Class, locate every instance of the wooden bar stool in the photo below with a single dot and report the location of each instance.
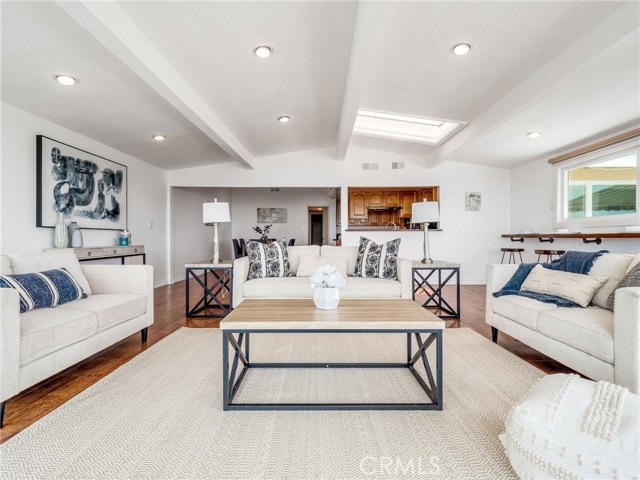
(512, 254)
(549, 253)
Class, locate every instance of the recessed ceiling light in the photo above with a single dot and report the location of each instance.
(67, 80)
(461, 49)
(262, 51)
(534, 134)
(284, 119)
(158, 137)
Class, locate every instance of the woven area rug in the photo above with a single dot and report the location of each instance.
(160, 415)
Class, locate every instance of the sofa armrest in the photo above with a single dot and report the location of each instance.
(240, 272)
(135, 279)
(9, 343)
(497, 276)
(626, 338)
(405, 275)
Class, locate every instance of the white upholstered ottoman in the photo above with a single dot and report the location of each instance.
(568, 427)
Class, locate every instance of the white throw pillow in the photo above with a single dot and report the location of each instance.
(611, 265)
(309, 264)
(38, 262)
(351, 253)
(296, 252)
(575, 287)
(568, 427)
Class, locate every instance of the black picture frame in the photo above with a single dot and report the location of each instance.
(103, 200)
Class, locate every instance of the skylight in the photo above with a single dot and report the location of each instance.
(404, 128)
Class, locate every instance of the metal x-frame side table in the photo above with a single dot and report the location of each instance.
(222, 274)
(431, 278)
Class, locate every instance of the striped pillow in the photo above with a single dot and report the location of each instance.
(43, 289)
(270, 260)
(377, 261)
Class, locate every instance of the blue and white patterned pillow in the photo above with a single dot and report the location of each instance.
(270, 260)
(377, 261)
(43, 289)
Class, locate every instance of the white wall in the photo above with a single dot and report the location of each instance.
(244, 203)
(471, 238)
(147, 195)
(532, 209)
(191, 240)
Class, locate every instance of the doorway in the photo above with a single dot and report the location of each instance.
(318, 225)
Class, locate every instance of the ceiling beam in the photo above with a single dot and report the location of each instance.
(363, 46)
(114, 29)
(611, 30)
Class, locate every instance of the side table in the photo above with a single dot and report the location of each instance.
(431, 278)
(222, 277)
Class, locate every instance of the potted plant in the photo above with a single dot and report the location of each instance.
(263, 232)
(326, 282)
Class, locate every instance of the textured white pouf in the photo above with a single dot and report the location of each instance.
(568, 427)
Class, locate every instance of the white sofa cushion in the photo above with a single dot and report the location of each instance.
(299, 287)
(38, 262)
(574, 287)
(111, 309)
(309, 265)
(587, 329)
(48, 330)
(549, 435)
(350, 253)
(522, 310)
(296, 252)
(610, 265)
(359, 287)
(5, 265)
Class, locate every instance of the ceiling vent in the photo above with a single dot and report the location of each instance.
(397, 165)
(276, 189)
(369, 166)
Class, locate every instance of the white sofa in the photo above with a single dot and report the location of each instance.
(37, 344)
(299, 287)
(593, 341)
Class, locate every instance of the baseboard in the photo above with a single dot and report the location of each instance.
(159, 284)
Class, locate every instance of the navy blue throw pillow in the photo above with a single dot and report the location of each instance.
(43, 289)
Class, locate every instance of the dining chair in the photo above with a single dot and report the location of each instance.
(291, 242)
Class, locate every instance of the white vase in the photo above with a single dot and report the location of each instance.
(61, 239)
(326, 298)
(75, 235)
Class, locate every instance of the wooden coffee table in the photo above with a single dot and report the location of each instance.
(352, 316)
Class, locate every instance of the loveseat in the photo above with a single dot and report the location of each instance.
(299, 287)
(596, 342)
(39, 343)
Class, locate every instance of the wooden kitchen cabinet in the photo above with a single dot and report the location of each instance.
(392, 199)
(358, 209)
(379, 206)
(407, 199)
(376, 199)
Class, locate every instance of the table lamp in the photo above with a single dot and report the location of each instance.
(214, 213)
(425, 212)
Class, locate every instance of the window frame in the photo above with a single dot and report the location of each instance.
(597, 156)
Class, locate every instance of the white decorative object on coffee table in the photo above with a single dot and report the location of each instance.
(326, 282)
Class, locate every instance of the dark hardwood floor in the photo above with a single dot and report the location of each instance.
(36, 402)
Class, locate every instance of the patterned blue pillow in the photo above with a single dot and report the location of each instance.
(44, 289)
(377, 261)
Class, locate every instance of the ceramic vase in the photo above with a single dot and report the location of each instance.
(326, 298)
(75, 234)
(61, 239)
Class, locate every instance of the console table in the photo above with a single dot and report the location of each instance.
(222, 274)
(100, 253)
(431, 278)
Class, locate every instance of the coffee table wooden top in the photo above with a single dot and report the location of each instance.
(351, 314)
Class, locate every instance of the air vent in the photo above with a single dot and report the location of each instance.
(369, 166)
(275, 189)
(397, 165)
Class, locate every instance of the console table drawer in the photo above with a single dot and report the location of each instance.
(89, 252)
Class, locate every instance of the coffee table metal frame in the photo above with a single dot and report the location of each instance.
(222, 274)
(240, 344)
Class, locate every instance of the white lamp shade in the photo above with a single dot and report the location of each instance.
(215, 212)
(425, 212)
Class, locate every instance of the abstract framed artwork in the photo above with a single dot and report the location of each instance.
(88, 189)
(272, 215)
(472, 201)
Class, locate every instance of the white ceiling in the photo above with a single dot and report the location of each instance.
(569, 69)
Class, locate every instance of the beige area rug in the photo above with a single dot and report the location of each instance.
(160, 415)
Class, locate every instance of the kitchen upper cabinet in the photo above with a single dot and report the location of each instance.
(391, 199)
(357, 206)
(431, 194)
(407, 199)
(376, 199)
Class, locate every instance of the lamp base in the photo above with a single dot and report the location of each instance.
(427, 260)
(216, 260)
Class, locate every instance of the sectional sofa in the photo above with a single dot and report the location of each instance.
(39, 343)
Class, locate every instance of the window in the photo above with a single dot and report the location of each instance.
(599, 188)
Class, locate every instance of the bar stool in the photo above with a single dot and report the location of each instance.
(512, 254)
(549, 253)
